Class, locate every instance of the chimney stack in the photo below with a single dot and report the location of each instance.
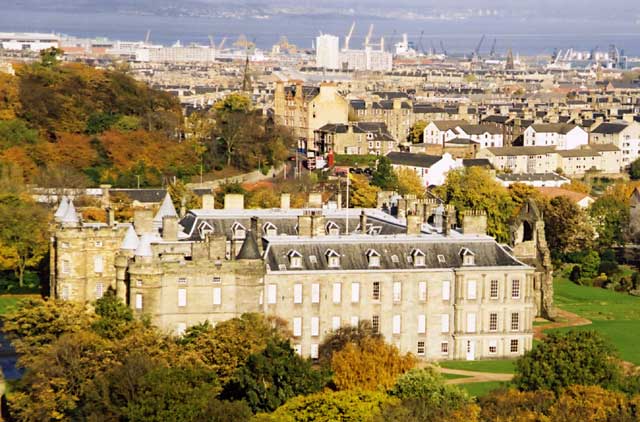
(234, 201)
(474, 222)
(143, 221)
(208, 202)
(169, 228)
(363, 222)
(285, 201)
(414, 225)
(111, 216)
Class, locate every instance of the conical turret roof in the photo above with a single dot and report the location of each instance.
(131, 240)
(166, 210)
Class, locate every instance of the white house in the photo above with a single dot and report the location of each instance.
(487, 136)
(561, 135)
(436, 131)
(432, 169)
(624, 135)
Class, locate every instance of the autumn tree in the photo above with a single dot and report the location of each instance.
(338, 339)
(370, 364)
(474, 188)
(591, 404)
(363, 194)
(409, 183)
(23, 234)
(270, 377)
(509, 404)
(330, 406)
(416, 135)
(564, 359)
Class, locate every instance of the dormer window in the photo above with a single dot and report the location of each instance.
(332, 229)
(333, 258)
(418, 258)
(295, 259)
(239, 232)
(369, 135)
(269, 229)
(204, 228)
(374, 258)
(468, 257)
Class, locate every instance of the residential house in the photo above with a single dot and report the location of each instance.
(624, 135)
(354, 138)
(560, 135)
(583, 200)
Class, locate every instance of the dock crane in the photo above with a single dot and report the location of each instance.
(420, 42)
(444, 52)
(347, 39)
(476, 52)
(147, 37)
(367, 39)
(492, 54)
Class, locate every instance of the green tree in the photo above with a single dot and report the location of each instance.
(474, 188)
(15, 132)
(590, 264)
(384, 176)
(115, 318)
(567, 228)
(50, 56)
(271, 377)
(23, 234)
(634, 169)
(330, 406)
(564, 359)
(610, 216)
(363, 194)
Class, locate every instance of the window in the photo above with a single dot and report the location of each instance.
(513, 346)
(138, 300)
(472, 289)
(394, 259)
(373, 257)
(422, 324)
(65, 245)
(396, 324)
(446, 290)
(297, 293)
(397, 291)
(337, 292)
(269, 229)
(422, 291)
(65, 294)
(181, 327)
(515, 289)
(271, 294)
(493, 347)
(332, 229)
(313, 351)
(66, 266)
(297, 327)
(441, 259)
(295, 259)
(333, 259)
(444, 323)
(355, 292)
(375, 324)
(182, 281)
(493, 289)
(315, 326)
(418, 258)
(376, 290)
(216, 280)
(471, 322)
(315, 293)
(335, 323)
(98, 264)
(182, 298)
(444, 347)
(99, 290)
(493, 321)
(515, 321)
(420, 348)
(355, 321)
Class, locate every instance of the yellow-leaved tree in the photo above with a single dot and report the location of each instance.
(371, 364)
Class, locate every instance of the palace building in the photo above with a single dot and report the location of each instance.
(430, 287)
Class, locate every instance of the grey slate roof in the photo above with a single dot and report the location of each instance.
(353, 252)
(249, 249)
(414, 160)
(610, 128)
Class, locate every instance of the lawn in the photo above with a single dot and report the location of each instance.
(7, 303)
(502, 366)
(351, 160)
(477, 389)
(615, 315)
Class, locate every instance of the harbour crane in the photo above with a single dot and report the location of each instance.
(476, 52)
(492, 54)
(147, 37)
(420, 42)
(444, 52)
(347, 39)
(224, 39)
(368, 37)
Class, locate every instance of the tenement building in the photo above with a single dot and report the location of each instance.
(431, 288)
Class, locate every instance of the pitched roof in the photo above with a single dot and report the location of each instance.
(448, 124)
(515, 151)
(610, 128)
(555, 192)
(480, 129)
(562, 128)
(249, 249)
(414, 160)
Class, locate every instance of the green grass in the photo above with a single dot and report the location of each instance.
(7, 303)
(351, 160)
(502, 366)
(453, 376)
(478, 389)
(615, 315)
